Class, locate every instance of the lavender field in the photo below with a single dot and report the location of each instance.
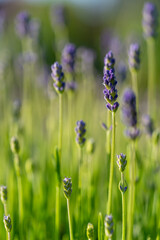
(80, 121)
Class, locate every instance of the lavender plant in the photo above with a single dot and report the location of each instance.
(108, 224)
(110, 96)
(122, 162)
(130, 119)
(134, 64)
(15, 148)
(80, 139)
(90, 231)
(67, 186)
(8, 225)
(59, 85)
(150, 29)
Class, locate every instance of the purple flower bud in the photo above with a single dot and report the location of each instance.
(80, 131)
(58, 76)
(58, 15)
(109, 81)
(150, 20)
(68, 57)
(23, 24)
(122, 71)
(72, 86)
(134, 56)
(129, 113)
(147, 124)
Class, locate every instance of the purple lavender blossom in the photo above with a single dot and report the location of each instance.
(129, 113)
(147, 124)
(58, 77)
(109, 81)
(122, 71)
(58, 15)
(23, 24)
(134, 56)
(26, 26)
(80, 131)
(150, 20)
(68, 57)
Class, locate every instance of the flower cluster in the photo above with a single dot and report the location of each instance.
(109, 81)
(129, 113)
(80, 131)
(58, 77)
(23, 20)
(150, 20)
(147, 124)
(68, 57)
(108, 223)
(7, 223)
(134, 56)
(67, 187)
(3, 193)
(90, 231)
(121, 162)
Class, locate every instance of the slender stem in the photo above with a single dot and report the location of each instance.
(151, 76)
(9, 236)
(111, 166)
(100, 226)
(80, 189)
(57, 213)
(5, 209)
(89, 184)
(69, 219)
(135, 87)
(60, 127)
(131, 193)
(108, 135)
(20, 200)
(123, 210)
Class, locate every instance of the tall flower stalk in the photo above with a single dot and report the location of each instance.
(108, 224)
(80, 139)
(122, 162)
(134, 64)
(67, 186)
(59, 85)
(110, 95)
(109, 63)
(150, 28)
(15, 148)
(130, 119)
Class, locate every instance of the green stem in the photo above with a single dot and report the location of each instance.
(60, 127)
(69, 219)
(151, 77)
(20, 200)
(123, 210)
(135, 87)
(80, 190)
(111, 166)
(9, 236)
(57, 213)
(108, 135)
(131, 193)
(5, 209)
(89, 184)
(100, 226)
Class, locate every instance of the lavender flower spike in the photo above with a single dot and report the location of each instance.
(80, 131)
(23, 24)
(134, 57)
(109, 81)
(129, 113)
(68, 57)
(58, 77)
(150, 20)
